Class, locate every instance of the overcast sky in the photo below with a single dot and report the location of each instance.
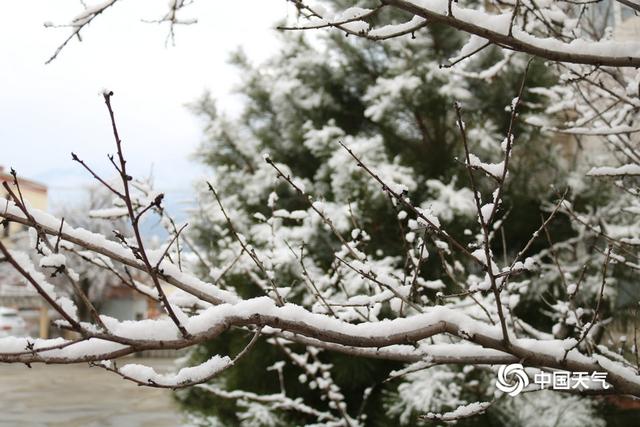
(47, 111)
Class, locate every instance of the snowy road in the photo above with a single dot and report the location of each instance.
(74, 396)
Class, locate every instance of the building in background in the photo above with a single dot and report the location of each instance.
(34, 193)
(628, 29)
(13, 292)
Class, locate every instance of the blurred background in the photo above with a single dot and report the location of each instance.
(49, 110)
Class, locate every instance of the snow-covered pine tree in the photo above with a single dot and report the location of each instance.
(392, 103)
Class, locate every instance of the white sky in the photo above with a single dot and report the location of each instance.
(47, 111)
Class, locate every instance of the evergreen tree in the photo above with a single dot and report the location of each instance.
(392, 104)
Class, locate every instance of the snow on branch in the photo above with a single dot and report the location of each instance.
(92, 11)
(625, 170)
(501, 29)
(461, 412)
